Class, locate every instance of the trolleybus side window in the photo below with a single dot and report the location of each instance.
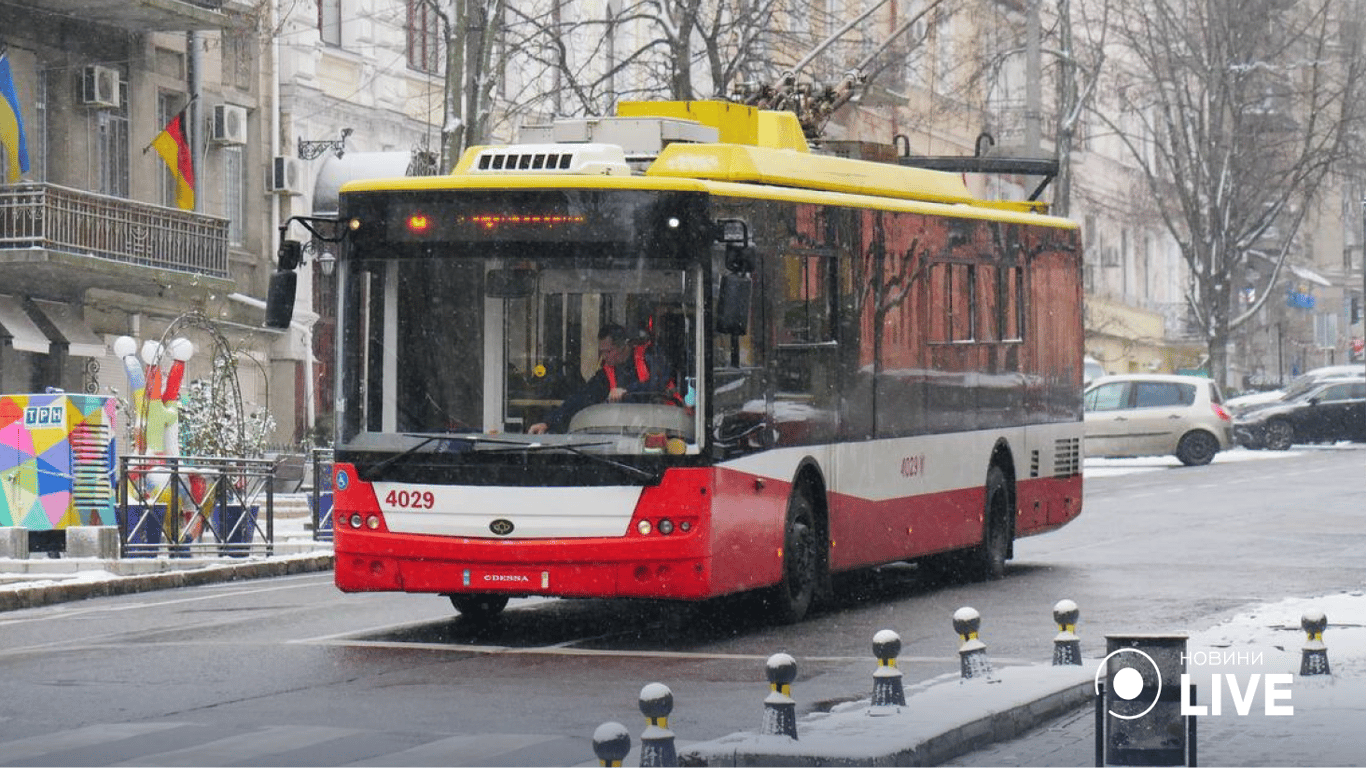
(806, 355)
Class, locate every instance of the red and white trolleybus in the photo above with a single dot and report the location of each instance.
(869, 365)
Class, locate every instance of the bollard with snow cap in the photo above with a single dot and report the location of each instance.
(972, 654)
(1314, 657)
(887, 691)
(1066, 646)
(611, 743)
(780, 710)
(657, 741)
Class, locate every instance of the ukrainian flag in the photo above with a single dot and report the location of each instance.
(12, 123)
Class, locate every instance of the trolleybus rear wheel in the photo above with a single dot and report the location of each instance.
(479, 607)
(988, 559)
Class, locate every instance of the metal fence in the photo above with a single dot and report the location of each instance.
(56, 218)
(183, 507)
(320, 498)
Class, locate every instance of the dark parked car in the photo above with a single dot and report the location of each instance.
(1334, 410)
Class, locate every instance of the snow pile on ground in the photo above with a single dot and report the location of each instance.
(1271, 640)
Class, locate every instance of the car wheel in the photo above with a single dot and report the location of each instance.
(479, 607)
(792, 598)
(1197, 449)
(1279, 435)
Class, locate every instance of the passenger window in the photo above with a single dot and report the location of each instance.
(1108, 397)
(1160, 394)
(1334, 393)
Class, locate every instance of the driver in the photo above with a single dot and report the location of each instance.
(629, 367)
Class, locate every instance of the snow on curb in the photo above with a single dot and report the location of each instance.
(88, 584)
(944, 717)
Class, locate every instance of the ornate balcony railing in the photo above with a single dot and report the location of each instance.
(46, 216)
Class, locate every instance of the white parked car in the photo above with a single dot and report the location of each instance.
(1156, 415)
(1091, 370)
(1297, 386)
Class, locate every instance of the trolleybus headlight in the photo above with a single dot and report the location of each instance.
(355, 519)
(372, 522)
(685, 526)
(666, 526)
(643, 527)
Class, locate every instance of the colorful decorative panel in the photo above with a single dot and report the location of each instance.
(56, 460)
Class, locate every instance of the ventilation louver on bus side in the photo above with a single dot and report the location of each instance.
(570, 159)
(1067, 457)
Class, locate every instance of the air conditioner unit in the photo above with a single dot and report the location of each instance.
(284, 176)
(229, 124)
(100, 87)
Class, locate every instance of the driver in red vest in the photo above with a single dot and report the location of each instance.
(628, 368)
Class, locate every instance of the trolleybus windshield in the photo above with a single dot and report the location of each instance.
(460, 335)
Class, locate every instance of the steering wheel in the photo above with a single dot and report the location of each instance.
(660, 398)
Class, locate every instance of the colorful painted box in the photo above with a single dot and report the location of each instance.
(56, 460)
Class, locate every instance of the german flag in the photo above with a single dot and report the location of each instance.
(173, 144)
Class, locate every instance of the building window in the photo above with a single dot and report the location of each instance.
(425, 40)
(111, 147)
(239, 51)
(329, 21)
(234, 194)
(168, 104)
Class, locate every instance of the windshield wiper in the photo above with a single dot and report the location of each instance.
(428, 440)
(513, 446)
(650, 477)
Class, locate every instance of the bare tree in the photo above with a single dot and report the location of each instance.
(470, 29)
(574, 58)
(1234, 112)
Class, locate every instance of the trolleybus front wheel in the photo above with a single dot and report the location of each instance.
(792, 598)
(479, 607)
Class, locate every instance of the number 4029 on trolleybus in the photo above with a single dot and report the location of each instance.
(866, 365)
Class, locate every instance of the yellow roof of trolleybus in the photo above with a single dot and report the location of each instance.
(751, 152)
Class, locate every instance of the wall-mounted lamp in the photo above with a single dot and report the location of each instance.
(310, 150)
(326, 262)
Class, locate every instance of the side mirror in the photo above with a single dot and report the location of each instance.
(732, 305)
(280, 299)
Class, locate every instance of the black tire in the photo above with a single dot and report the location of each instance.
(479, 607)
(802, 559)
(1197, 449)
(1279, 435)
(987, 561)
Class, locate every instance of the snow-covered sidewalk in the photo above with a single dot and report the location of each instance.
(947, 717)
(40, 580)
